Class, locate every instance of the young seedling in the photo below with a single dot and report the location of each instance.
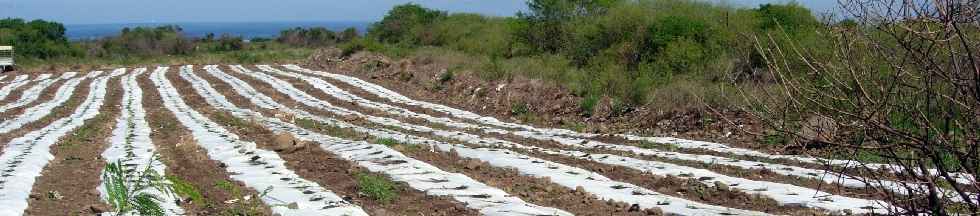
(128, 191)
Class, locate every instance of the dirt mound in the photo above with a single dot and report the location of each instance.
(533, 101)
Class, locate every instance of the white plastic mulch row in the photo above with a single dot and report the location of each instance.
(782, 193)
(377, 158)
(36, 112)
(130, 143)
(24, 157)
(18, 81)
(34, 92)
(561, 174)
(262, 170)
(680, 143)
(574, 139)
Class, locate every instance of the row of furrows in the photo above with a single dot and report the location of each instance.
(24, 158)
(562, 174)
(131, 146)
(19, 81)
(259, 169)
(579, 140)
(378, 158)
(290, 194)
(34, 92)
(782, 193)
(674, 142)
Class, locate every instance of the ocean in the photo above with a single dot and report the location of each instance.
(243, 29)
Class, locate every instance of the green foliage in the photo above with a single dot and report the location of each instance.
(627, 50)
(387, 142)
(376, 187)
(36, 39)
(360, 44)
(127, 195)
(229, 43)
(587, 105)
(792, 17)
(403, 22)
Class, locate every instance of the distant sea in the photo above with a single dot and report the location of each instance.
(247, 30)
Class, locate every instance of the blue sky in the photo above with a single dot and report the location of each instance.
(141, 11)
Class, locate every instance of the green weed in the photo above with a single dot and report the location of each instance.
(377, 187)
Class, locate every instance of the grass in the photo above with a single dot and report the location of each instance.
(185, 189)
(243, 206)
(83, 134)
(377, 187)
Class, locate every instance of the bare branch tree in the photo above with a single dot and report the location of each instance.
(902, 85)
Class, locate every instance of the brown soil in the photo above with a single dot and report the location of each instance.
(186, 160)
(79, 159)
(315, 164)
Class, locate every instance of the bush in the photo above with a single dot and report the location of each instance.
(36, 39)
(314, 37)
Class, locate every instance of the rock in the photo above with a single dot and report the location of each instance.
(818, 130)
(634, 208)
(97, 209)
(34, 196)
(293, 205)
(721, 186)
(286, 143)
(580, 190)
(472, 164)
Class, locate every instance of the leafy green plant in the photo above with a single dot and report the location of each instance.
(376, 187)
(130, 195)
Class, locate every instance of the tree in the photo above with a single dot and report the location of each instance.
(902, 87)
(402, 21)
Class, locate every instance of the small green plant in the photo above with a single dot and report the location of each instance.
(130, 195)
(587, 106)
(447, 76)
(519, 108)
(376, 187)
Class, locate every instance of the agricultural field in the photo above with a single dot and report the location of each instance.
(293, 140)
